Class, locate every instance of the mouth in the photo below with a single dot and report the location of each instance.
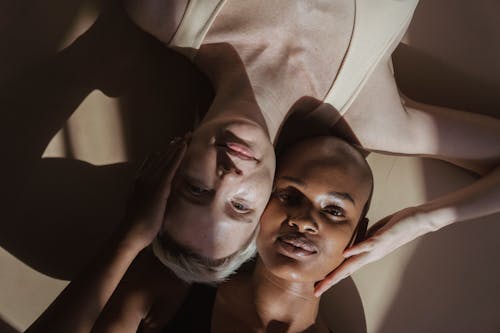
(235, 146)
(296, 245)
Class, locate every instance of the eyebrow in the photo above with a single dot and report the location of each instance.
(337, 195)
(294, 180)
(342, 196)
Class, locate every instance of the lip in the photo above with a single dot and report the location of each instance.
(296, 246)
(235, 146)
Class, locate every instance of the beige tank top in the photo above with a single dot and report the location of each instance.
(378, 27)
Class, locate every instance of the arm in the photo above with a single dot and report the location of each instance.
(78, 306)
(385, 122)
(147, 300)
(382, 123)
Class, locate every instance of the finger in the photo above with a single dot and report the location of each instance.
(364, 246)
(170, 170)
(344, 270)
(144, 167)
(160, 159)
(172, 158)
(167, 157)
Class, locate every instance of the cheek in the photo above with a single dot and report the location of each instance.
(269, 228)
(271, 219)
(176, 225)
(336, 242)
(197, 155)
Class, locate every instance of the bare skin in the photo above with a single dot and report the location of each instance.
(378, 120)
(259, 305)
(305, 204)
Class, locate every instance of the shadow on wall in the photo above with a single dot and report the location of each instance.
(6, 328)
(450, 56)
(31, 31)
(451, 281)
(53, 219)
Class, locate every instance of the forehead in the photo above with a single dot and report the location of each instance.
(327, 169)
(326, 175)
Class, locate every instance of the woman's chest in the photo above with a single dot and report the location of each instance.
(293, 45)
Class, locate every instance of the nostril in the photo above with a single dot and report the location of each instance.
(292, 224)
(310, 229)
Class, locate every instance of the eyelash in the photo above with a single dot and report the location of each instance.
(289, 197)
(334, 211)
(244, 209)
(196, 190)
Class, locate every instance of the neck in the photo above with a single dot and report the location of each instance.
(272, 293)
(235, 96)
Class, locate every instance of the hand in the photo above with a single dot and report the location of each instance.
(146, 207)
(383, 237)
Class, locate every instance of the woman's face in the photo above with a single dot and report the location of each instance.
(321, 188)
(221, 188)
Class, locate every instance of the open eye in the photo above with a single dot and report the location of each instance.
(333, 210)
(240, 207)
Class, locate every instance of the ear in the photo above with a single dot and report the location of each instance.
(361, 230)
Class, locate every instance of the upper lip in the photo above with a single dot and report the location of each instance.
(299, 240)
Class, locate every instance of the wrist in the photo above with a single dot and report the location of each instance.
(435, 218)
(130, 242)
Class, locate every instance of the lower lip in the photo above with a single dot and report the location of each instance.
(240, 150)
(292, 251)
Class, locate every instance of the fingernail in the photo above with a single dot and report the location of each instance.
(176, 140)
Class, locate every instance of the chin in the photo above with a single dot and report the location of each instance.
(290, 274)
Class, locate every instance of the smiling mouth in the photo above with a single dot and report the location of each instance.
(296, 245)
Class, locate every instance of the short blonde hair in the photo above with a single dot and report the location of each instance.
(193, 267)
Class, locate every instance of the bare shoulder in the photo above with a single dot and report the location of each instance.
(382, 120)
(160, 18)
(377, 116)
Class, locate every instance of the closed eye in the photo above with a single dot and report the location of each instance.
(194, 189)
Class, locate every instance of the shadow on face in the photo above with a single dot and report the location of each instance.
(321, 188)
(221, 187)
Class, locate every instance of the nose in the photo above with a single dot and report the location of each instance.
(225, 165)
(304, 224)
